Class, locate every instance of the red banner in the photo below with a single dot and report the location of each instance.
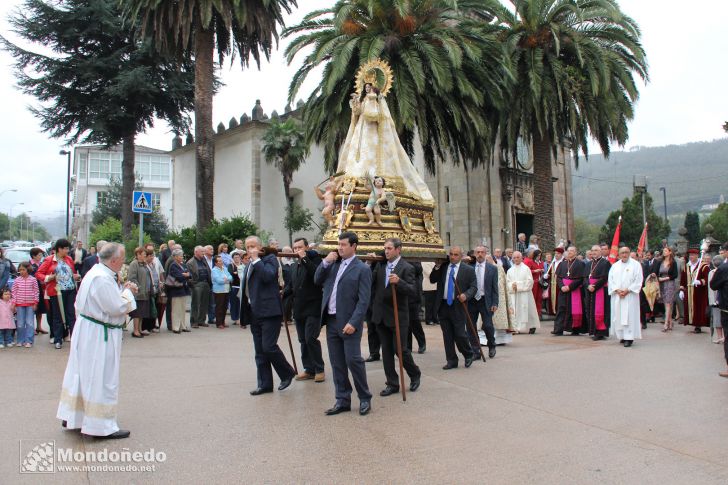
(643, 242)
(614, 250)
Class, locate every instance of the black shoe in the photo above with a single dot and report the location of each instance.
(258, 391)
(121, 434)
(644, 326)
(628, 343)
(337, 409)
(388, 391)
(557, 334)
(187, 330)
(372, 358)
(698, 330)
(468, 361)
(621, 341)
(597, 337)
(422, 349)
(449, 366)
(415, 384)
(531, 331)
(204, 324)
(285, 383)
(491, 352)
(575, 334)
(365, 407)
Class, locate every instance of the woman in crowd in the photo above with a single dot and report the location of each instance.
(36, 259)
(160, 300)
(221, 280)
(149, 324)
(718, 337)
(139, 274)
(60, 277)
(222, 251)
(178, 291)
(235, 286)
(666, 272)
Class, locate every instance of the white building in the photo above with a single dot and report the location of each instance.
(94, 166)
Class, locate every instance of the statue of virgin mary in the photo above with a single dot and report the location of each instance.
(372, 146)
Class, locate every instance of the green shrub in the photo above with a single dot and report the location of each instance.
(225, 230)
(110, 230)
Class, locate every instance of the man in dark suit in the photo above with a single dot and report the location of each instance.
(91, 260)
(307, 310)
(398, 272)
(347, 284)
(261, 293)
(449, 305)
(485, 302)
(719, 283)
(78, 254)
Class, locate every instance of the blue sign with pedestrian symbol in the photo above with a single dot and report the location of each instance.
(142, 202)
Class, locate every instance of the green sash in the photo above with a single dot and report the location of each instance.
(106, 326)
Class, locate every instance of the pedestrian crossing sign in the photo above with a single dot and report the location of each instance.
(142, 202)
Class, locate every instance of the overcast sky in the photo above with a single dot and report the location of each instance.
(686, 99)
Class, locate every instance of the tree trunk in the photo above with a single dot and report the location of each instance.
(127, 185)
(204, 143)
(289, 206)
(543, 192)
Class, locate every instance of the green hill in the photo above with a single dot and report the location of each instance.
(694, 174)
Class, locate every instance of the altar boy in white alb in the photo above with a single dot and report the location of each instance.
(625, 284)
(91, 383)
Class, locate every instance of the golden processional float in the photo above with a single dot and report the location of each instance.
(376, 191)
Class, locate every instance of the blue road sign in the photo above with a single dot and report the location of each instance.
(142, 202)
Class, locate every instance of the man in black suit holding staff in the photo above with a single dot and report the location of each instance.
(449, 305)
(394, 271)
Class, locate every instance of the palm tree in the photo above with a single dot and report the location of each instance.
(574, 64)
(285, 147)
(200, 27)
(447, 73)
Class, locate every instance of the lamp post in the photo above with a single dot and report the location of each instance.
(68, 187)
(10, 221)
(664, 202)
(21, 224)
(8, 190)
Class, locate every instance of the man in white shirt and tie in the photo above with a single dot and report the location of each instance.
(485, 302)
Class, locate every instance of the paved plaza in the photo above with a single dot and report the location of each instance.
(545, 411)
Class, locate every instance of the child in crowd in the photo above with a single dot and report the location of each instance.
(7, 325)
(25, 300)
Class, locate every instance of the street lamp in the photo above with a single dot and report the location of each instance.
(8, 190)
(21, 224)
(664, 202)
(68, 187)
(10, 222)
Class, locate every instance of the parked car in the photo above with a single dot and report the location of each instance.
(18, 255)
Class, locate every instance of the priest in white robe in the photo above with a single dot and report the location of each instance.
(520, 291)
(91, 383)
(625, 284)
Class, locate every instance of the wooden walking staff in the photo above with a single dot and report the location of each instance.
(399, 341)
(290, 345)
(470, 321)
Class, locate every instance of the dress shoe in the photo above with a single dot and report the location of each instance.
(468, 362)
(204, 324)
(422, 349)
(285, 383)
(186, 330)
(698, 330)
(388, 391)
(574, 334)
(557, 334)
(304, 376)
(531, 331)
(338, 409)
(121, 434)
(415, 384)
(628, 343)
(320, 377)
(365, 407)
(372, 358)
(176, 331)
(597, 337)
(449, 366)
(258, 391)
(491, 352)
(194, 325)
(59, 346)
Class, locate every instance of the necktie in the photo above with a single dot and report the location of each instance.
(451, 285)
(247, 280)
(390, 267)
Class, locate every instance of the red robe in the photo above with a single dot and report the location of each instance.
(696, 297)
(537, 290)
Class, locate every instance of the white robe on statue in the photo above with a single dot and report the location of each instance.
(91, 383)
(626, 310)
(523, 305)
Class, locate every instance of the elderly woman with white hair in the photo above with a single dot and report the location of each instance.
(178, 290)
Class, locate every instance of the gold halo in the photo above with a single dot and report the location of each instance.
(376, 72)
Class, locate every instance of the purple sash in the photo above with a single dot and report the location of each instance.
(576, 311)
(598, 306)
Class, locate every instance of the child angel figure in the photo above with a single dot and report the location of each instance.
(328, 196)
(377, 197)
